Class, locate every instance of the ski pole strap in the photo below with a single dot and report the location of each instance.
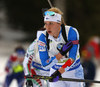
(63, 79)
(75, 41)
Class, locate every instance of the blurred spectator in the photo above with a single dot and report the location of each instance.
(93, 47)
(89, 66)
(14, 68)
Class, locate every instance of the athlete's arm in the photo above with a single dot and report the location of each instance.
(73, 35)
(43, 52)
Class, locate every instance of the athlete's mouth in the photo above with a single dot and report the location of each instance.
(49, 31)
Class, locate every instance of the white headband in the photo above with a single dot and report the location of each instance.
(55, 18)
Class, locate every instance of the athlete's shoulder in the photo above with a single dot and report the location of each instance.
(44, 32)
(67, 27)
(70, 28)
(42, 36)
(73, 33)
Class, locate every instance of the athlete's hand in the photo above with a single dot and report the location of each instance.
(64, 48)
(29, 83)
(55, 76)
(58, 56)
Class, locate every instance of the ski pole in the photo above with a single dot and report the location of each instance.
(62, 79)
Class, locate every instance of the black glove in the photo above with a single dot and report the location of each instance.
(55, 76)
(29, 83)
(64, 48)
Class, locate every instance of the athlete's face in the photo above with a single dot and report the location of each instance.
(53, 28)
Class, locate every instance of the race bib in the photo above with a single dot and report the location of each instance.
(42, 46)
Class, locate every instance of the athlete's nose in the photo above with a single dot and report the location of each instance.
(47, 27)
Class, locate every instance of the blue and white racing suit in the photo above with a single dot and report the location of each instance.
(49, 61)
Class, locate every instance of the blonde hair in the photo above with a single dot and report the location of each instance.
(56, 10)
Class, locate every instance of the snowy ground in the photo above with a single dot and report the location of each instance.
(6, 48)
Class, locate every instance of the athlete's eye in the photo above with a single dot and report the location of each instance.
(51, 23)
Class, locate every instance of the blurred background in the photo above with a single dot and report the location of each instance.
(20, 20)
